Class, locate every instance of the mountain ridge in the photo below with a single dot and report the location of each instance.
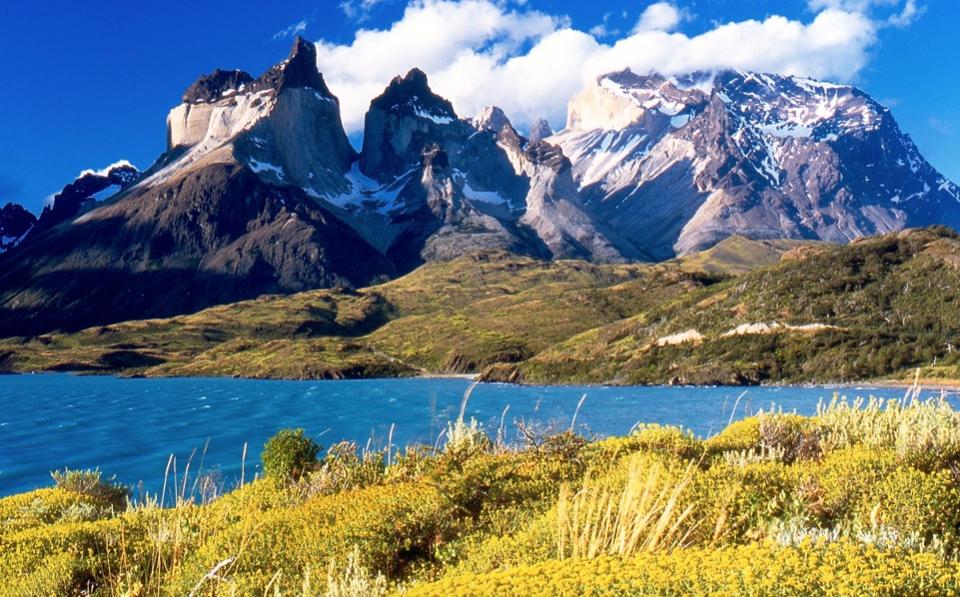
(260, 191)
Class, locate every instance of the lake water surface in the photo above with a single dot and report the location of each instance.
(131, 427)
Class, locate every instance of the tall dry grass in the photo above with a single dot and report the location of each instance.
(644, 514)
(910, 426)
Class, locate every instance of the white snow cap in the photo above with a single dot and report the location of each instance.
(106, 169)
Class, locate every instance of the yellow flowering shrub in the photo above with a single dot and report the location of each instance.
(844, 503)
(666, 439)
(841, 569)
(912, 501)
(389, 524)
(846, 480)
(738, 436)
(535, 541)
(41, 507)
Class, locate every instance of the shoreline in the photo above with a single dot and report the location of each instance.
(925, 385)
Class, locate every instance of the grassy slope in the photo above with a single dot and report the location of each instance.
(739, 255)
(450, 317)
(891, 301)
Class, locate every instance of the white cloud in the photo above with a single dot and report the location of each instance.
(291, 31)
(660, 16)
(358, 10)
(911, 10)
(604, 29)
(481, 52)
(894, 13)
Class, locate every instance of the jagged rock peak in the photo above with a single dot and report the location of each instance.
(299, 69)
(89, 187)
(491, 118)
(15, 223)
(218, 84)
(540, 130)
(121, 173)
(411, 94)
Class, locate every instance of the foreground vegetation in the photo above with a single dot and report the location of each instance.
(743, 312)
(862, 499)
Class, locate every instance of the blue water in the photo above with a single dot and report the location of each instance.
(130, 427)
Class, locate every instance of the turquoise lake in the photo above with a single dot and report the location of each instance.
(130, 427)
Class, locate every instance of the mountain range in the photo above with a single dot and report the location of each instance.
(260, 190)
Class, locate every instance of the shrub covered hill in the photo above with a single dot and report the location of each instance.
(742, 312)
(861, 499)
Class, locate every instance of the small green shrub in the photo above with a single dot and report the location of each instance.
(90, 483)
(289, 455)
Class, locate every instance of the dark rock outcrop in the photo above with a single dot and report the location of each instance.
(298, 70)
(82, 194)
(540, 130)
(210, 88)
(15, 223)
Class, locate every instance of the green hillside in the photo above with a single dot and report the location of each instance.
(877, 308)
(446, 317)
(742, 312)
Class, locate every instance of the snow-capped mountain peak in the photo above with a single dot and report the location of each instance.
(261, 191)
(748, 153)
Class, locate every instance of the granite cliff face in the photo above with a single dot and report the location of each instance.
(260, 191)
(435, 186)
(228, 212)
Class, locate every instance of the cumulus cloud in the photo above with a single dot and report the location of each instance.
(660, 16)
(482, 52)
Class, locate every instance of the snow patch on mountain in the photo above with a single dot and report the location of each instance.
(264, 167)
(435, 118)
(483, 196)
(105, 171)
(369, 195)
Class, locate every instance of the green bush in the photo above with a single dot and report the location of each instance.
(289, 455)
(89, 483)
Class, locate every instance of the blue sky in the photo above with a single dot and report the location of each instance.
(89, 83)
